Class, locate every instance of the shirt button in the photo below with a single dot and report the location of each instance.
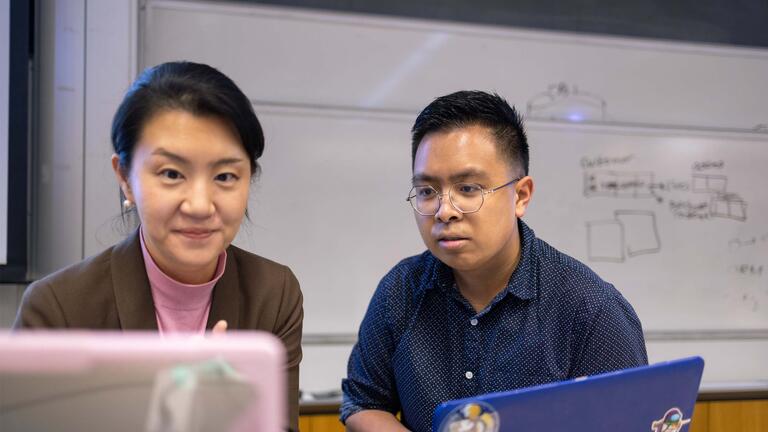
(473, 321)
(469, 375)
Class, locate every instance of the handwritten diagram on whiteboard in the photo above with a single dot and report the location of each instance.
(676, 219)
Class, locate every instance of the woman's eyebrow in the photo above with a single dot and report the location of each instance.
(226, 161)
(184, 161)
(170, 155)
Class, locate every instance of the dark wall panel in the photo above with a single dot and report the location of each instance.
(738, 22)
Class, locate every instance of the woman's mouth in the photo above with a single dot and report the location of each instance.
(196, 234)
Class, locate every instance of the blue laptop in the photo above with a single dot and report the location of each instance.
(655, 398)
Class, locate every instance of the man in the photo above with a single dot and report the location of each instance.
(489, 307)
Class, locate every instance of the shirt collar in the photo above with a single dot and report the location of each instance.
(170, 293)
(522, 283)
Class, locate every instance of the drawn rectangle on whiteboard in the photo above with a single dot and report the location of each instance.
(605, 240)
(641, 235)
(619, 184)
(728, 207)
(707, 183)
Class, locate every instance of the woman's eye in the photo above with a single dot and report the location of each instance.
(226, 177)
(170, 174)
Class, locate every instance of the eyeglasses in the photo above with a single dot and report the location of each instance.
(464, 197)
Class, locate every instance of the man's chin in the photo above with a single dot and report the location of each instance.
(458, 262)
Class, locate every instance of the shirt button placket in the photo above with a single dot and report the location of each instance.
(473, 357)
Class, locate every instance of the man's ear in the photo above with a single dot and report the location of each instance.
(122, 178)
(524, 191)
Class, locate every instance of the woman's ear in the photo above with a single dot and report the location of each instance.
(122, 178)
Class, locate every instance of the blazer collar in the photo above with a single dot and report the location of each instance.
(225, 304)
(133, 296)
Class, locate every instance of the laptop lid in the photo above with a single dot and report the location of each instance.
(655, 398)
(98, 381)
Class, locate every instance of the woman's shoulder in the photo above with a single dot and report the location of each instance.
(70, 297)
(251, 262)
(258, 269)
(98, 266)
(250, 259)
(81, 274)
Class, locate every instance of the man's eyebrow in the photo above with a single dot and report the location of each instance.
(422, 178)
(469, 173)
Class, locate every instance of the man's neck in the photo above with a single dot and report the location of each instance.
(480, 286)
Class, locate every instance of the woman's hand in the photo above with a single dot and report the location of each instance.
(220, 327)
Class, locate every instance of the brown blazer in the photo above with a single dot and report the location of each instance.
(111, 291)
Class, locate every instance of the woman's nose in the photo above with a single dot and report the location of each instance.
(198, 201)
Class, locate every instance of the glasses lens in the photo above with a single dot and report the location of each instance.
(425, 199)
(466, 197)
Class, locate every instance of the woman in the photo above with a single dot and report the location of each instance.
(186, 144)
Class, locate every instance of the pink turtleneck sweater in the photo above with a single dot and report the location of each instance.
(180, 307)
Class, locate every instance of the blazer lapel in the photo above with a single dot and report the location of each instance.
(225, 304)
(133, 295)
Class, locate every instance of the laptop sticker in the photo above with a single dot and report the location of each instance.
(471, 417)
(673, 421)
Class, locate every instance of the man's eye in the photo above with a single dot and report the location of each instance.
(468, 189)
(424, 193)
(170, 174)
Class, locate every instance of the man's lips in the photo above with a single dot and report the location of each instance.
(451, 241)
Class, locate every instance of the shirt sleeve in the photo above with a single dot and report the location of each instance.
(612, 339)
(370, 382)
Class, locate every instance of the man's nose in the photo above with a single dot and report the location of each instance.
(446, 211)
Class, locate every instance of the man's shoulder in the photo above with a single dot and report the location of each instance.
(576, 297)
(414, 264)
(399, 291)
(413, 272)
(564, 275)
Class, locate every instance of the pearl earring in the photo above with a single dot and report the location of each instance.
(127, 205)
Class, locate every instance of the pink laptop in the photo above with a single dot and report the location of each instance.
(104, 381)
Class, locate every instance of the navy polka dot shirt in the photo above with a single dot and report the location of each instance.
(421, 342)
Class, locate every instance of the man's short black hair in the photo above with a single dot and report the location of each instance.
(470, 108)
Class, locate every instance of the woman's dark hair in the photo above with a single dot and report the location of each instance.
(192, 87)
(468, 108)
